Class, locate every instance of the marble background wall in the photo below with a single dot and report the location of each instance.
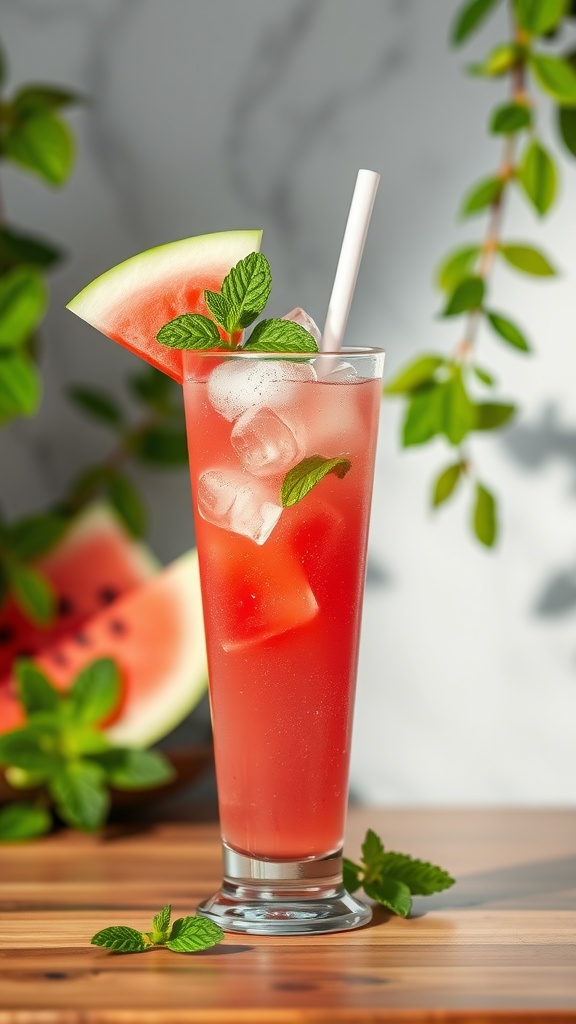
(212, 114)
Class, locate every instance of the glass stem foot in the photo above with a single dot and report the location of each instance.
(274, 897)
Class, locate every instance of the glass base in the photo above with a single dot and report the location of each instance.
(273, 897)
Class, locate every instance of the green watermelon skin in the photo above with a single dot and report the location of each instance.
(132, 301)
(94, 564)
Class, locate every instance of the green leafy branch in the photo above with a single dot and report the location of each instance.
(439, 390)
(35, 138)
(62, 754)
(185, 935)
(391, 879)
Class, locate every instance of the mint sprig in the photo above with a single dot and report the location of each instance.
(244, 293)
(62, 750)
(187, 935)
(391, 879)
(300, 480)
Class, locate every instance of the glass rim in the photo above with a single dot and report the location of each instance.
(242, 353)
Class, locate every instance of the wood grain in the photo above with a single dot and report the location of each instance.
(499, 946)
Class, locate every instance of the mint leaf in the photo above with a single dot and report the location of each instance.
(33, 748)
(33, 593)
(567, 127)
(278, 335)
(351, 875)
(23, 821)
(508, 331)
(190, 331)
(414, 375)
(161, 921)
(221, 310)
(246, 288)
(98, 405)
(44, 97)
(484, 376)
(302, 478)
(372, 849)
(191, 934)
(498, 61)
(390, 893)
(79, 794)
(95, 692)
(35, 691)
(121, 939)
(136, 769)
(539, 16)
(17, 248)
(446, 484)
(421, 878)
(459, 414)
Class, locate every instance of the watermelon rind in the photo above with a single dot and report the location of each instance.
(180, 690)
(99, 516)
(121, 293)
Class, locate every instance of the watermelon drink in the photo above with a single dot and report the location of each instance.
(282, 591)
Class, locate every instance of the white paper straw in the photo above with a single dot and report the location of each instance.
(349, 261)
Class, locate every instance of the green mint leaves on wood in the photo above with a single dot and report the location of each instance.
(62, 752)
(441, 392)
(185, 935)
(392, 879)
(243, 296)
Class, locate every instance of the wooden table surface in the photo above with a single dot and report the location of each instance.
(499, 946)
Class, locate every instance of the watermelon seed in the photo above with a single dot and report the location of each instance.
(82, 639)
(25, 652)
(59, 658)
(65, 606)
(117, 627)
(107, 595)
(6, 634)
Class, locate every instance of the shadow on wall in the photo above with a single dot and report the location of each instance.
(533, 446)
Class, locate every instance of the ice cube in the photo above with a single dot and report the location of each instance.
(300, 316)
(265, 442)
(339, 373)
(226, 500)
(235, 386)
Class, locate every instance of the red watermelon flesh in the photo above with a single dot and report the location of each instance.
(90, 568)
(132, 301)
(155, 634)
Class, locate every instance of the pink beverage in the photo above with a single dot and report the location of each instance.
(282, 587)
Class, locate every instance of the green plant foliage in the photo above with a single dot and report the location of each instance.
(538, 176)
(439, 405)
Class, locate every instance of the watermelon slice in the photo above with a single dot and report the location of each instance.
(95, 562)
(155, 634)
(132, 301)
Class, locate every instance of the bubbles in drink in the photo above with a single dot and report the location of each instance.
(301, 317)
(234, 387)
(225, 499)
(265, 442)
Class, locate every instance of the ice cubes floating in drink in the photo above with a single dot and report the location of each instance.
(258, 396)
(226, 500)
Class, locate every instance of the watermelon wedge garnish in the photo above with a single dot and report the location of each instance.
(132, 301)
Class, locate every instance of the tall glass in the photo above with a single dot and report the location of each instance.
(282, 588)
